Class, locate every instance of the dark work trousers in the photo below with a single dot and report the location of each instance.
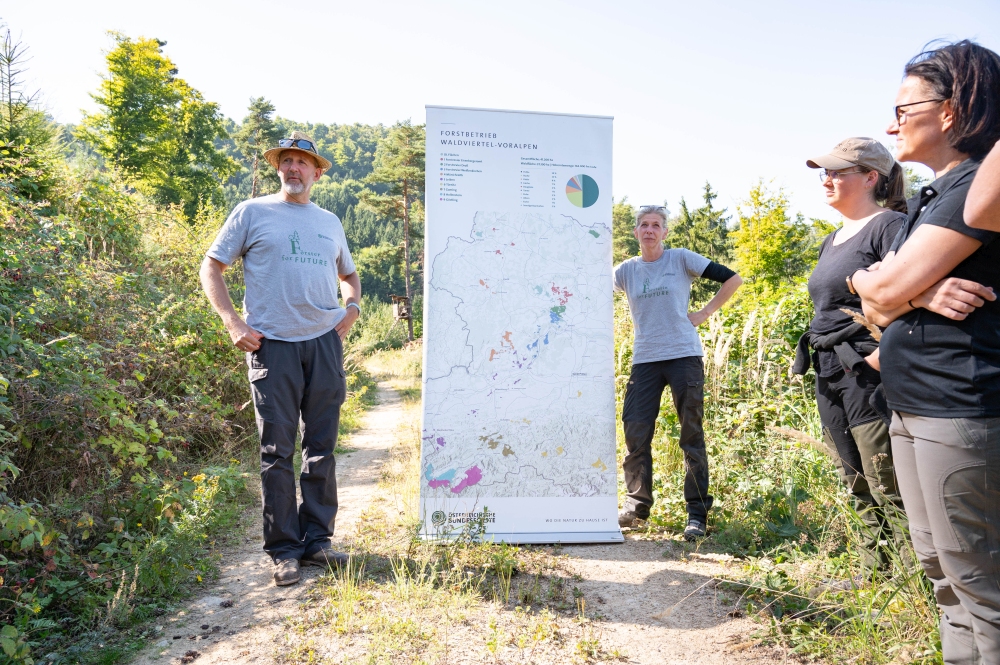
(298, 385)
(949, 475)
(686, 378)
(858, 441)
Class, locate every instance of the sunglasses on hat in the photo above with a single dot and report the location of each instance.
(297, 143)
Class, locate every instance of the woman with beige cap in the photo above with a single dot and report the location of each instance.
(865, 185)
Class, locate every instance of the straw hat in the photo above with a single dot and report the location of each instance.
(274, 154)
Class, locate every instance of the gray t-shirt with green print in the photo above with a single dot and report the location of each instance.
(292, 256)
(658, 295)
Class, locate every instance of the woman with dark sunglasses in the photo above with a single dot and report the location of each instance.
(941, 350)
(865, 185)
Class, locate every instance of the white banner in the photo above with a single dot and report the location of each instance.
(518, 387)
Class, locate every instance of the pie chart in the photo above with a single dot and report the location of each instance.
(582, 191)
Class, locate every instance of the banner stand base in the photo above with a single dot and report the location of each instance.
(544, 538)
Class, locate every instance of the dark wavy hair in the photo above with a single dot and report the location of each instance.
(890, 190)
(967, 75)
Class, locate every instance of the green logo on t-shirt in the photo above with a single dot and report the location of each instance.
(648, 292)
(301, 257)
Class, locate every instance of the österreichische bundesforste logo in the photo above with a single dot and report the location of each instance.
(438, 518)
(294, 239)
(582, 191)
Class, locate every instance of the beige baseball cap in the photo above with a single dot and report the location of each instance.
(299, 142)
(856, 151)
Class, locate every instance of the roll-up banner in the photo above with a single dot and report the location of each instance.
(519, 387)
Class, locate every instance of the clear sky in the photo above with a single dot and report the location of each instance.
(724, 92)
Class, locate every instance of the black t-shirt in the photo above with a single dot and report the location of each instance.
(933, 366)
(828, 281)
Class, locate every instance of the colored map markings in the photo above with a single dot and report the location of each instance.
(582, 191)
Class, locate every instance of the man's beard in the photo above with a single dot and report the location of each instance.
(294, 187)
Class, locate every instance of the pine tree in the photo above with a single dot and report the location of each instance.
(255, 135)
(704, 230)
(399, 165)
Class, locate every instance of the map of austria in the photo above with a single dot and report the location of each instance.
(468, 478)
(519, 382)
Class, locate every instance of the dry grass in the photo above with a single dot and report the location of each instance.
(405, 601)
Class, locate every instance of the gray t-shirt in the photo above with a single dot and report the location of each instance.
(658, 296)
(292, 256)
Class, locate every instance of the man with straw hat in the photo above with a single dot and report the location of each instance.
(295, 255)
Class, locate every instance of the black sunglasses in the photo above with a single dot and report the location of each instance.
(297, 143)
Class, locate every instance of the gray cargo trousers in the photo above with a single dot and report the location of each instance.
(949, 476)
(298, 386)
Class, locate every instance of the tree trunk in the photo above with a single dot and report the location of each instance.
(253, 187)
(406, 256)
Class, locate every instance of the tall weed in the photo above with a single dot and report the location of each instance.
(778, 501)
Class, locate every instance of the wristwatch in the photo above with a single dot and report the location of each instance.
(850, 284)
(355, 306)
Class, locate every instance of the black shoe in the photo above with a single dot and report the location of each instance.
(325, 558)
(695, 529)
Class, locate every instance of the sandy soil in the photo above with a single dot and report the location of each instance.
(655, 602)
(658, 604)
(244, 632)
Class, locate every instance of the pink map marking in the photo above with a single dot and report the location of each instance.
(434, 484)
(472, 476)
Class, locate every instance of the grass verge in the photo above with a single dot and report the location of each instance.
(402, 600)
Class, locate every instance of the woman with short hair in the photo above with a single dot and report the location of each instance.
(941, 366)
(865, 185)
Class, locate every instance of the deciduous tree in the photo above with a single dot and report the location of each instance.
(623, 239)
(770, 246)
(156, 130)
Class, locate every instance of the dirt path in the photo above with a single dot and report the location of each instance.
(659, 603)
(239, 618)
(652, 601)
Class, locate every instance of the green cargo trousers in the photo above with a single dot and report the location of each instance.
(858, 442)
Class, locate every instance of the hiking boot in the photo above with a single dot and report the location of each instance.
(325, 558)
(695, 529)
(286, 572)
(628, 518)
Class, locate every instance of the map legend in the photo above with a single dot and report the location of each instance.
(452, 170)
(538, 188)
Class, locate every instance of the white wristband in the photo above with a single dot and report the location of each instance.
(355, 306)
